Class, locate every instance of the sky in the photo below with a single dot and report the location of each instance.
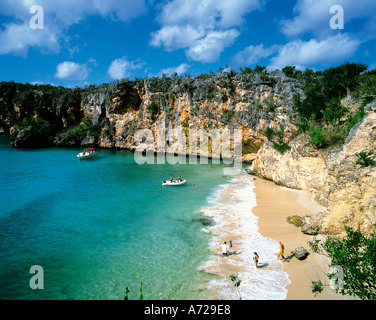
(81, 42)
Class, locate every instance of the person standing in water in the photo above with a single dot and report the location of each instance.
(224, 249)
(255, 259)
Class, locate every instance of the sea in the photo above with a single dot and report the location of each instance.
(106, 228)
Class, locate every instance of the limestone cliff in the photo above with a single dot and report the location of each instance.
(110, 115)
(222, 101)
(335, 180)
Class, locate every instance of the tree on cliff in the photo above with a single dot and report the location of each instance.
(353, 267)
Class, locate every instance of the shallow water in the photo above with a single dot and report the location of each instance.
(231, 207)
(104, 224)
(100, 225)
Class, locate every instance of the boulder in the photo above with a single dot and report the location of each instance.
(297, 221)
(300, 253)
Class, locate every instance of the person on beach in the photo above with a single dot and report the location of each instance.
(255, 259)
(225, 248)
(281, 251)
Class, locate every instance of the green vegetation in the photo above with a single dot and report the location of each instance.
(247, 70)
(290, 71)
(228, 115)
(153, 108)
(37, 126)
(281, 147)
(269, 103)
(364, 159)
(322, 115)
(260, 69)
(269, 133)
(354, 256)
(81, 131)
(279, 134)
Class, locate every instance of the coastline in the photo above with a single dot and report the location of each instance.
(231, 209)
(274, 205)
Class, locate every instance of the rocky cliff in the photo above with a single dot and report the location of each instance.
(333, 177)
(117, 111)
(110, 115)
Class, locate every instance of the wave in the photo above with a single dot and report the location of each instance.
(230, 207)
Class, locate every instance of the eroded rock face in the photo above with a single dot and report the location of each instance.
(205, 102)
(352, 193)
(300, 168)
(335, 181)
(209, 102)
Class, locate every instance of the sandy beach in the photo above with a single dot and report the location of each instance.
(252, 212)
(274, 205)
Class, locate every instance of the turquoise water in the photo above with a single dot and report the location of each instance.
(99, 226)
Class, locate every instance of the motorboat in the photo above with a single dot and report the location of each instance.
(174, 182)
(87, 154)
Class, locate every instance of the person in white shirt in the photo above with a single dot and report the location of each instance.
(224, 249)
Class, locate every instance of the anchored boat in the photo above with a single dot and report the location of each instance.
(87, 154)
(173, 182)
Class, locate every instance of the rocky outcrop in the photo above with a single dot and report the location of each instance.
(334, 180)
(221, 101)
(109, 116)
(301, 168)
(352, 192)
(300, 253)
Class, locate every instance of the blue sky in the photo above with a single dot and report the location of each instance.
(98, 41)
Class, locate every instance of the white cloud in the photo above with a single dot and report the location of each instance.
(203, 28)
(122, 68)
(59, 16)
(175, 37)
(314, 16)
(69, 70)
(18, 39)
(303, 54)
(209, 48)
(120, 9)
(183, 68)
(252, 55)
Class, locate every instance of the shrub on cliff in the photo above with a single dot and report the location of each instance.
(31, 132)
(75, 135)
(290, 71)
(324, 89)
(37, 126)
(322, 115)
(352, 263)
(364, 159)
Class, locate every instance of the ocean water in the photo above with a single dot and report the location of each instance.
(231, 209)
(99, 226)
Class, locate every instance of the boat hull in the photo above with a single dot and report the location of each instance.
(174, 183)
(88, 156)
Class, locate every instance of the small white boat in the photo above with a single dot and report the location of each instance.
(173, 183)
(87, 154)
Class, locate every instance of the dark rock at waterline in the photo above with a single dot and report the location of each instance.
(204, 221)
(26, 138)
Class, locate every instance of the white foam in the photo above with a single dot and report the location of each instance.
(231, 209)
